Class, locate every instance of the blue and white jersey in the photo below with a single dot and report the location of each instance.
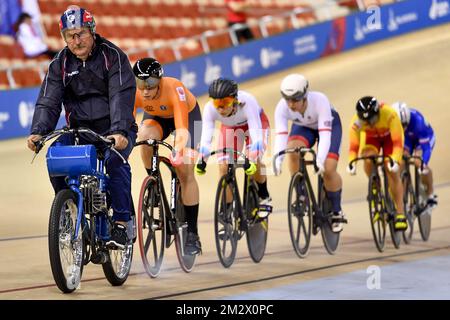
(419, 135)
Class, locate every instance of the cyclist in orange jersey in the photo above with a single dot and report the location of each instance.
(383, 130)
(171, 108)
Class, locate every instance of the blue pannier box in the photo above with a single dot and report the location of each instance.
(71, 160)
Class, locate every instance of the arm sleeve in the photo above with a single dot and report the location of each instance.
(426, 152)
(281, 127)
(252, 112)
(181, 116)
(354, 137)
(397, 136)
(122, 92)
(208, 121)
(324, 127)
(137, 104)
(423, 135)
(48, 105)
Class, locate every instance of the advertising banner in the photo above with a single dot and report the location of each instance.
(16, 112)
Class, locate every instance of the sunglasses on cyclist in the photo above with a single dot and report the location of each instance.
(223, 103)
(294, 99)
(149, 83)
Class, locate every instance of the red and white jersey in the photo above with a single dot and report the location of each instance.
(317, 116)
(247, 113)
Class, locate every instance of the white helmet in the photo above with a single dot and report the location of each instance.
(294, 87)
(403, 112)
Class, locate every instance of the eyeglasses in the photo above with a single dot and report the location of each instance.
(82, 35)
(149, 83)
(223, 103)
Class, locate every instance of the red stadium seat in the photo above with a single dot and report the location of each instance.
(4, 83)
(219, 41)
(26, 78)
(164, 55)
(191, 49)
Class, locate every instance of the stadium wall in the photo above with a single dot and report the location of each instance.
(264, 56)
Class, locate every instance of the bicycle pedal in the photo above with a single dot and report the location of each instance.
(99, 258)
(265, 208)
(315, 230)
(168, 241)
(376, 218)
(223, 236)
(262, 216)
(341, 220)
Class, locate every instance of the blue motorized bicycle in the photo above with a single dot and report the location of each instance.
(81, 217)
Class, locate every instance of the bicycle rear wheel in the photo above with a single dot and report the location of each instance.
(151, 227)
(257, 228)
(410, 205)
(186, 261)
(66, 252)
(330, 239)
(225, 224)
(376, 213)
(299, 215)
(425, 216)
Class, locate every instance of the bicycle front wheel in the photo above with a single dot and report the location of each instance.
(376, 213)
(299, 214)
(425, 216)
(330, 239)
(410, 205)
(66, 252)
(186, 261)
(396, 236)
(118, 266)
(225, 225)
(151, 227)
(257, 228)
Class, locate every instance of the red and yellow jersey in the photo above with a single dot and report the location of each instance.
(388, 126)
(173, 100)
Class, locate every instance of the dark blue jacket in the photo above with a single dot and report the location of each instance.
(98, 93)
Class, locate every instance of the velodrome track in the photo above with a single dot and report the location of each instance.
(414, 68)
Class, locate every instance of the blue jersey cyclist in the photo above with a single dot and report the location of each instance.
(420, 141)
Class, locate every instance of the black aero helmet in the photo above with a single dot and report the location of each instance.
(367, 108)
(148, 73)
(222, 88)
(148, 67)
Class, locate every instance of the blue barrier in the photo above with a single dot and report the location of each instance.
(265, 56)
(16, 112)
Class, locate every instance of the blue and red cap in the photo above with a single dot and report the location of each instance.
(75, 18)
